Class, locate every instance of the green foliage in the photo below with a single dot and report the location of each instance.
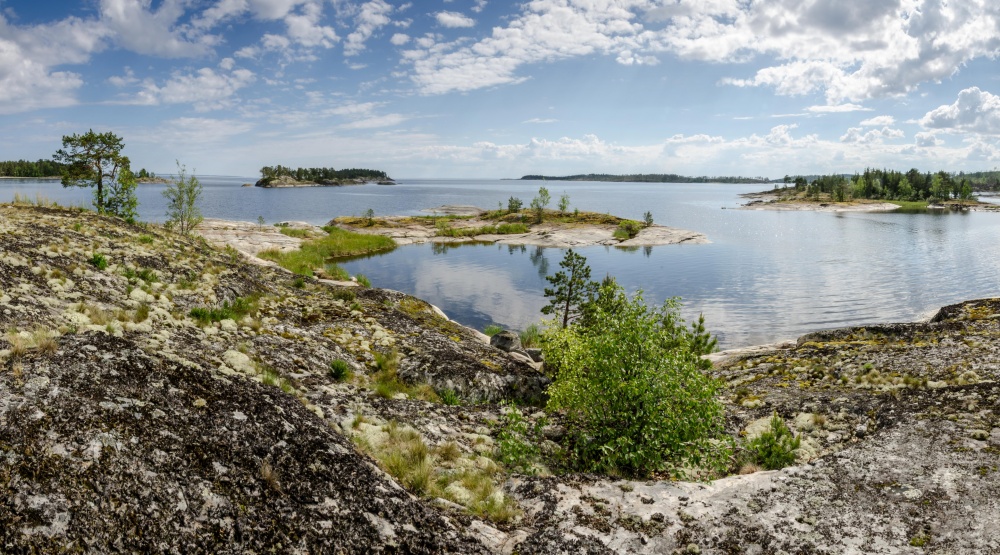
(514, 205)
(339, 370)
(315, 253)
(531, 336)
(299, 282)
(631, 384)
(343, 294)
(320, 175)
(449, 397)
(445, 230)
(98, 261)
(628, 229)
(235, 310)
(92, 160)
(363, 281)
(370, 216)
(144, 239)
(539, 203)
(121, 200)
(492, 329)
(647, 219)
(517, 440)
(571, 288)
(775, 448)
(182, 197)
(563, 203)
(24, 168)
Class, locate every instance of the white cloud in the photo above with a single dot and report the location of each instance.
(387, 120)
(837, 108)
(304, 27)
(540, 120)
(372, 16)
(28, 56)
(399, 39)
(878, 121)
(156, 33)
(975, 111)
(927, 139)
(849, 50)
(206, 89)
(857, 135)
(454, 20)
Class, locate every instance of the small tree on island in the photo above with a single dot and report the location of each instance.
(539, 203)
(183, 214)
(93, 160)
(564, 203)
(571, 288)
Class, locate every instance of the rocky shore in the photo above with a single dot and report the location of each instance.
(159, 395)
(408, 230)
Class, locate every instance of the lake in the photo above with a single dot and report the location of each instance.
(766, 276)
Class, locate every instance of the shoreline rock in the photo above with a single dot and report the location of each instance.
(406, 231)
(287, 182)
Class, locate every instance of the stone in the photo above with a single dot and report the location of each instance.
(506, 341)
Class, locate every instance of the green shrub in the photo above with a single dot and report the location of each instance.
(514, 204)
(144, 239)
(627, 229)
(517, 441)
(775, 448)
(339, 370)
(98, 261)
(299, 282)
(630, 381)
(363, 281)
(647, 219)
(343, 294)
(492, 329)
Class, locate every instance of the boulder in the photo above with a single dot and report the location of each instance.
(506, 341)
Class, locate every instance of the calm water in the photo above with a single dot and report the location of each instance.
(766, 276)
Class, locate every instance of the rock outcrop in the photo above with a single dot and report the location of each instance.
(158, 395)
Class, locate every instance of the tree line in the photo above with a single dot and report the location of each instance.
(320, 175)
(647, 178)
(883, 184)
(27, 168)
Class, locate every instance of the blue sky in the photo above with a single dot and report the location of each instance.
(481, 88)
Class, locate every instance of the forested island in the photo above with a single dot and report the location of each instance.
(40, 168)
(881, 184)
(283, 176)
(647, 178)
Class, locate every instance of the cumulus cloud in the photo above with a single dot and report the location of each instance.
(371, 17)
(454, 20)
(205, 89)
(304, 27)
(858, 135)
(849, 50)
(927, 139)
(399, 39)
(138, 28)
(878, 121)
(974, 111)
(29, 56)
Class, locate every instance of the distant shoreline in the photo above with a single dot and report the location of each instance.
(49, 178)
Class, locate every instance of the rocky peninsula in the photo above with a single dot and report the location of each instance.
(469, 224)
(160, 395)
(286, 181)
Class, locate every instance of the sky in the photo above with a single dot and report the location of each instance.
(489, 89)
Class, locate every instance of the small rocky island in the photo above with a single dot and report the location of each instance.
(469, 224)
(281, 177)
(161, 395)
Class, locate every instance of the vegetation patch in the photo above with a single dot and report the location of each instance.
(318, 252)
